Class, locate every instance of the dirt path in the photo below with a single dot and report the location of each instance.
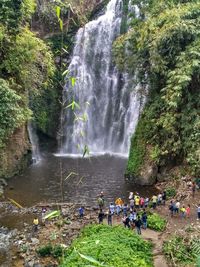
(157, 241)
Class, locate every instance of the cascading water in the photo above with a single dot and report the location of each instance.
(108, 100)
(36, 157)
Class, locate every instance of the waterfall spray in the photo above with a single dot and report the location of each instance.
(36, 157)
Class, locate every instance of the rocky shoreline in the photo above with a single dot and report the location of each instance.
(22, 242)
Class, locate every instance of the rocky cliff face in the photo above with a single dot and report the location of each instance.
(17, 153)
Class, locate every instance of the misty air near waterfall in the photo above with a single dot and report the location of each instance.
(99, 133)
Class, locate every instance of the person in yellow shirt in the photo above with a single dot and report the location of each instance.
(154, 201)
(137, 202)
(35, 224)
(119, 202)
(183, 212)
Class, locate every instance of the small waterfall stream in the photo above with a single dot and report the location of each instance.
(36, 157)
(108, 100)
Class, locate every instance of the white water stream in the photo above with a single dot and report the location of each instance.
(108, 100)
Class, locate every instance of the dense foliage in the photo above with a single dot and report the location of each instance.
(182, 251)
(12, 113)
(26, 68)
(156, 222)
(101, 245)
(162, 48)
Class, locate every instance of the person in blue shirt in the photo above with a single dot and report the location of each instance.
(125, 209)
(81, 212)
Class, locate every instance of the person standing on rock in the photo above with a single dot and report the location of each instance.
(101, 202)
(35, 224)
(81, 212)
(101, 216)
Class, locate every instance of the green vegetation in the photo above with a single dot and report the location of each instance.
(156, 222)
(50, 250)
(182, 251)
(12, 113)
(26, 69)
(164, 50)
(101, 245)
(170, 192)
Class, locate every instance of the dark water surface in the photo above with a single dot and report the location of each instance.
(41, 182)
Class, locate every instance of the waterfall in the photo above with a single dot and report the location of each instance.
(36, 157)
(108, 100)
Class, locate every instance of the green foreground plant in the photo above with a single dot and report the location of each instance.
(182, 251)
(101, 245)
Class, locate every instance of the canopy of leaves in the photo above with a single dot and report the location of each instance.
(12, 112)
(14, 13)
(26, 64)
(101, 245)
(163, 48)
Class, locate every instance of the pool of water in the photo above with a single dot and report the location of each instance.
(84, 179)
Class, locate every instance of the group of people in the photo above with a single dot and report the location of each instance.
(176, 208)
(134, 214)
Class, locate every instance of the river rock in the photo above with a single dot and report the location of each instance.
(35, 241)
(147, 176)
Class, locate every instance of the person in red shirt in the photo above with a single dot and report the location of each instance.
(188, 211)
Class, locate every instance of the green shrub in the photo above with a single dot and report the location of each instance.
(101, 245)
(170, 192)
(49, 250)
(57, 251)
(45, 250)
(156, 222)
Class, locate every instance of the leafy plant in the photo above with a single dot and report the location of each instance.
(101, 245)
(156, 222)
(50, 250)
(45, 250)
(13, 113)
(170, 192)
(179, 250)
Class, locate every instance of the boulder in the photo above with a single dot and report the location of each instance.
(147, 176)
